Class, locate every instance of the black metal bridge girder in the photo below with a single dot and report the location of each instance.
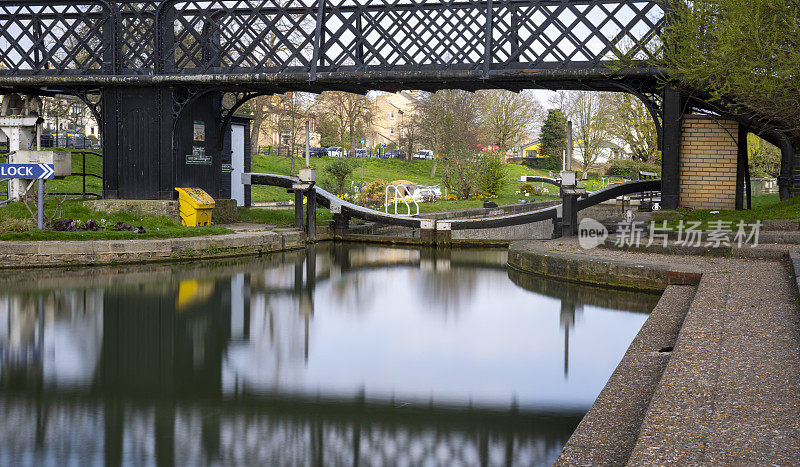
(97, 41)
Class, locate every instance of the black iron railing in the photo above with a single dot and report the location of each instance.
(178, 37)
(83, 174)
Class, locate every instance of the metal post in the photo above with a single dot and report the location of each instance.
(741, 163)
(40, 209)
(40, 197)
(84, 174)
(569, 146)
(670, 158)
(308, 149)
(748, 187)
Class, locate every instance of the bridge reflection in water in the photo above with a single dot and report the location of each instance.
(244, 362)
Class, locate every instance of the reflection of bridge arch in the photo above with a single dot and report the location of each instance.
(273, 431)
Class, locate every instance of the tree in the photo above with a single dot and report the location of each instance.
(410, 132)
(764, 158)
(461, 173)
(553, 139)
(589, 113)
(631, 123)
(339, 170)
(448, 120)
(261, 108)
(65, 110)
(292, 110)
(346, 114)
(743, 51)
(507, 117)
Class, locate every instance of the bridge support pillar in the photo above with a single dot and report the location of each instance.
(742, 171)
(671, 148)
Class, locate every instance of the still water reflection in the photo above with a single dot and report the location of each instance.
(335, 355)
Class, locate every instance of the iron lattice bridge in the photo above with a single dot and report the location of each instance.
(317, 41)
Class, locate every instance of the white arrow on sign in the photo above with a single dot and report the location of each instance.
(47, 170)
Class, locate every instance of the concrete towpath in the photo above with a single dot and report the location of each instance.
(730, 392)
(246, 240)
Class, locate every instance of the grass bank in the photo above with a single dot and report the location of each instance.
(16, 223)
(279, 217)
(765, 207)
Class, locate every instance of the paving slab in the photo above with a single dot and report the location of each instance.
(730, 393)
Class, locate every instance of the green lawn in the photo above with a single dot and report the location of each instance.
(12, 214)
(279, 217)
(74, 184)
(765, 207)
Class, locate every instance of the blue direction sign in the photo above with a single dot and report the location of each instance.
(29, 171)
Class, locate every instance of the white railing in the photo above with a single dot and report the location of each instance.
(397, 198)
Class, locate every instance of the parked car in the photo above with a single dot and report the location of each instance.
(425, 154)
(72, 139)
(48, 140)
(335, 151)
(317, 152)
(396, 154)
(360, 153)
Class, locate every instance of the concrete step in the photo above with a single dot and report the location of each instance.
(729, 394)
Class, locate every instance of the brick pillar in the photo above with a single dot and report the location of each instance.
(709, 150)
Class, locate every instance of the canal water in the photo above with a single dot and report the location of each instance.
(337, 355)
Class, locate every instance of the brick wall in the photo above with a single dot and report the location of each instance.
(708, 162)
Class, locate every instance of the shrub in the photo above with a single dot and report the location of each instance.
(373, 195)
(461, 174)
(630, 169)
(530, 189)
(493, 174)
(14, 224)
(339, 170)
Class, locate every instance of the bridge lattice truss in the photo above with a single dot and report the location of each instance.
(99, 38)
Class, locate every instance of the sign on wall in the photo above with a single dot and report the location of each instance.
(198, 157)
(199, 131)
